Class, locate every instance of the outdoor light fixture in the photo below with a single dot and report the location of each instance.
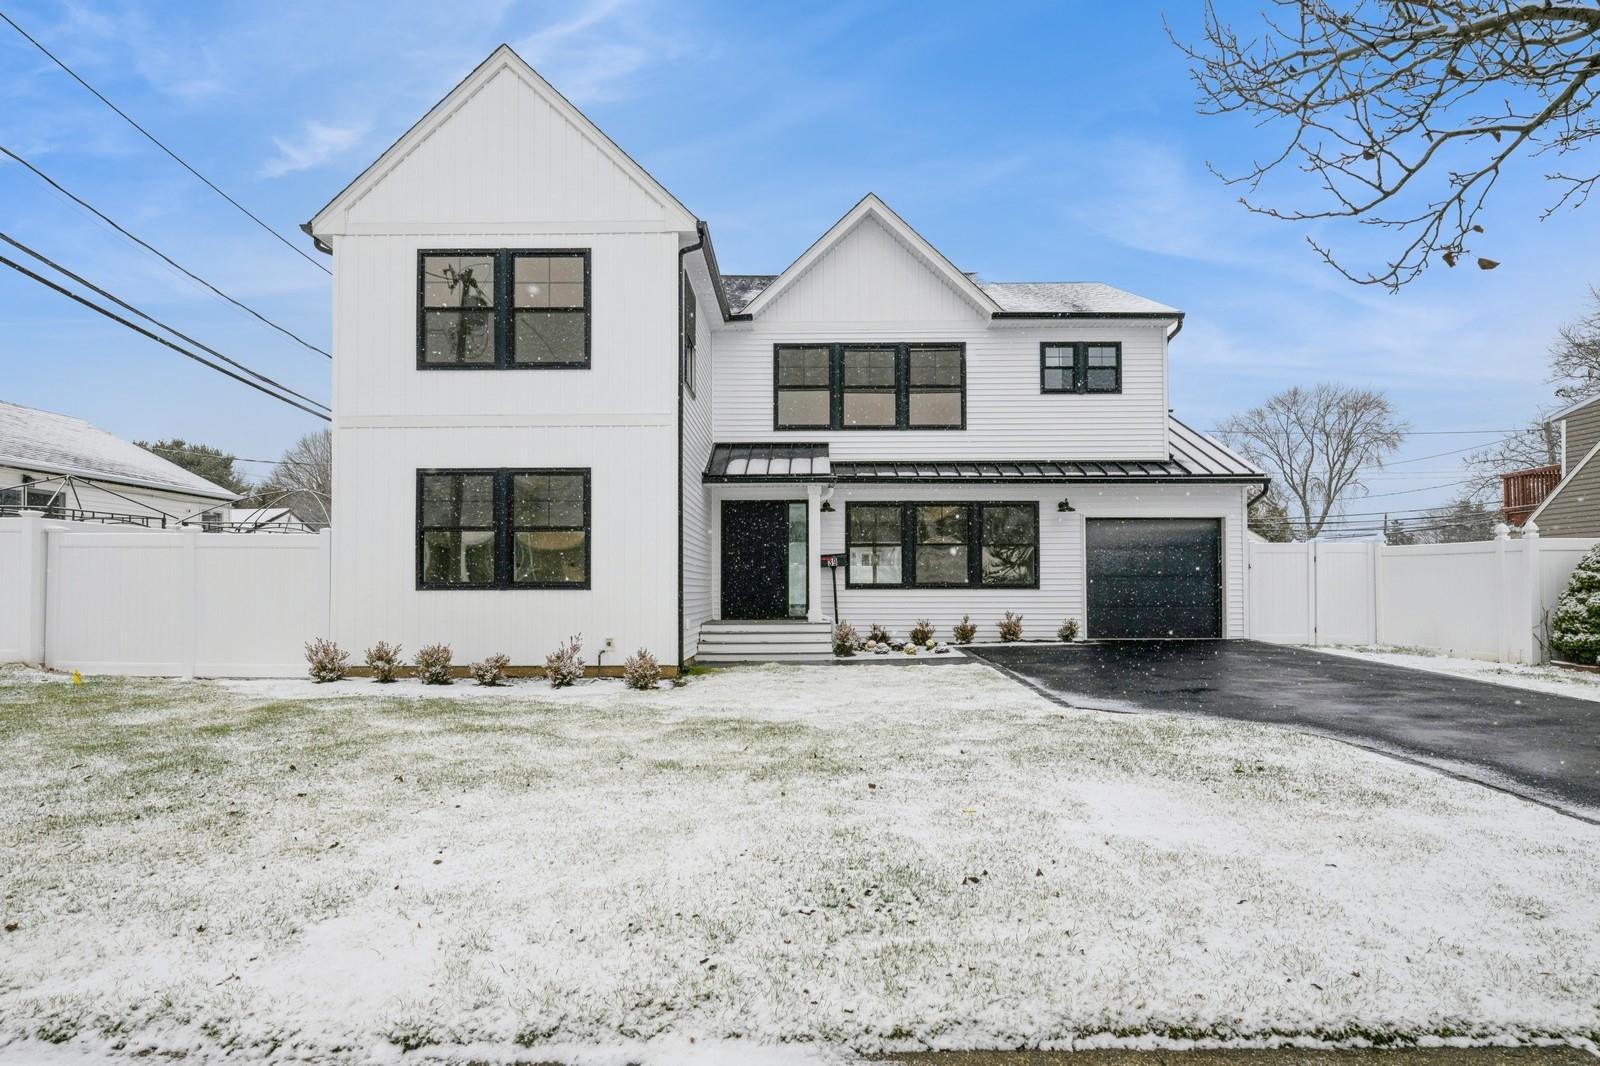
(1064, 506)
(827, 505)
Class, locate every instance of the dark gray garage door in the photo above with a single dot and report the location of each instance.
(1154, 577)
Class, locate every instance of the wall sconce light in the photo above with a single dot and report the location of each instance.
(1065, 506)
(827, 505)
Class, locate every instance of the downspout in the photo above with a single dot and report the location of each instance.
(678, 384)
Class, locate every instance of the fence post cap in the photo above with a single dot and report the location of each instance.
(1502, 531)
(1530, 528)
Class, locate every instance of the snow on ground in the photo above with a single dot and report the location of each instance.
(811, 860)
(1551, 679)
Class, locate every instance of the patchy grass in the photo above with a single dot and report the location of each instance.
(827, 858)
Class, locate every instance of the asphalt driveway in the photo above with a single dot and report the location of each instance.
(1541, 746)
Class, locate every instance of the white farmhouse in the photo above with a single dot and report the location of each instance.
(555, 415)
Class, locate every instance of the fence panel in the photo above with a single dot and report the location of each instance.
(1281, 593)
(1445, 597)
(1345, 610)
(276, 599)
(15, 592)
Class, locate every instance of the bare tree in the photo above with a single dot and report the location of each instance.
(1536, 444)
(1575, 356)
(1404, 111)
(303, 480)
(1317, 444)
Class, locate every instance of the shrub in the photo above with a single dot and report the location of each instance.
(1069, 630)
(640, 670)
(383, 659)
(326, 661)
(564, 666)
(433, 664)
(922, 632)
(877, 634)
(845, 639)
(1575, 626)
(492, 671)
(965, 631)
(1010, 627)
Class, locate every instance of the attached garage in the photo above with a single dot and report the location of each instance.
(1154, 577)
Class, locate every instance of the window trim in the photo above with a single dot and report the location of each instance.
(908, 544)
(504, 311)
(688, 329)
(902, 386)
(1080, 368)
(504, 529)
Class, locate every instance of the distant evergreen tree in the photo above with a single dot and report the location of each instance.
(1395, 532)
(1575, 628)
(1270, 519)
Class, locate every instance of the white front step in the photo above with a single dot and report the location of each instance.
(778, 641)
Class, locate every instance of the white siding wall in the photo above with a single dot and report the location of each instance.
(697, 441)
(1060, 594)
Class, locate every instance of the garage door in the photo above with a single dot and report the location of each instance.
(1154, 577)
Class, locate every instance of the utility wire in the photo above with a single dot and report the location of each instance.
(19, 268)
(225, 455)
(150, 248)
(41, 257)
(152, 138)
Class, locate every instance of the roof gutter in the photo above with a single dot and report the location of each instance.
(704, 231)
(1146, 315)
(316, 242)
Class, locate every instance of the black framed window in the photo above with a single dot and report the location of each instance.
(942, 545)
(688, 324)
(803, 397)
(1009, 541)
(935, 387)
(869, 386)
(503, 529)
(874, 545)
(1080, 366)
(503, 309)
(869, 393)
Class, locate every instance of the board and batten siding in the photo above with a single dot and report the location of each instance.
(1062, 565)
(697, 441)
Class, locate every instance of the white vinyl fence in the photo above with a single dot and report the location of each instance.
(1481, 600)
(126, 600)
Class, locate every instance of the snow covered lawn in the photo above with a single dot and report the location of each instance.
(835, 859)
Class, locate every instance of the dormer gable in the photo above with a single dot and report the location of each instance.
(872, 266)
(502, 149)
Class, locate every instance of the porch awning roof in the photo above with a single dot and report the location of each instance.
(1193, 457)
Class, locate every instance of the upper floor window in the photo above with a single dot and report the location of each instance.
(688, 323)
(1080, 366)
(502, 529)
(502, 309)
(869, 386)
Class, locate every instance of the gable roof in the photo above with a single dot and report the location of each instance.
(502, 58)
(870, 207)
(1570, 477)
(1044, 298)
(60, 444)
(1573, 408)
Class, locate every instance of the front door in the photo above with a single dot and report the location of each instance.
(764, 559)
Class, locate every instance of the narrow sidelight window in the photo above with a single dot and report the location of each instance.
(480, 529)
(942, 544)
(936, 384)
(458, 309)
(1080, 366)
(688, 323)
(1010, 537)
(516, 309)
(870, 395)
(874, 544)
(456, 530)
(803, 384)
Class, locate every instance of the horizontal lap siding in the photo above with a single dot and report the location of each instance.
(697, 442)
(1061, 564)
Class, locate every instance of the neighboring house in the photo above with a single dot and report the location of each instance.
(555, 415)
(72, 470)
(265, 520)
(1562, 499)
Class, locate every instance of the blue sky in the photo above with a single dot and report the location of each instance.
(1048, 141)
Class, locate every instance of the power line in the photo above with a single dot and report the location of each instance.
(177, 158)
(156, 251)
(129, 307)
(19, 268)
(225, 455)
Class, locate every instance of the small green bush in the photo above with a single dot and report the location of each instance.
(965, 631)
(877, 634)
(383, 659)
(641, 671)
(1010, 627)
(922, 632)
(1575, 626)
(492, 671)
(325, 660)
(433, 664)
(564, 666)
(845, 639)
(1069, 630)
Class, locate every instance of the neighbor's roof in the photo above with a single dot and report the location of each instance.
(1014, 297)
(49, 443)
(1193, 457)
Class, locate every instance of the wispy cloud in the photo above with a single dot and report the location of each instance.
(319, 143)
(593, 54)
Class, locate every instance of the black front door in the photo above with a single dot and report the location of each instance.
(755, 559)
(1154, 577)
